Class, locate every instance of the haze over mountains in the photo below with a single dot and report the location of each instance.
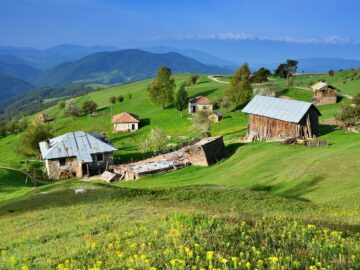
(56, 68)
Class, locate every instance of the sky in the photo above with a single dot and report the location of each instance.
(46, 23)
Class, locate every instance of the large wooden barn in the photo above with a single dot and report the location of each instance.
(276, 119)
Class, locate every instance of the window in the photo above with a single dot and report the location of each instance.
(62, 161)
(99, 157)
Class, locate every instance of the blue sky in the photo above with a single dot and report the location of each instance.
(45, 23)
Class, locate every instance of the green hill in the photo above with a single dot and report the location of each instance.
(11, 87)
(263, 207)
(121, 66)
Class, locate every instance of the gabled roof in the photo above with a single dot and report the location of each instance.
(125, 117)
(278, 108)
(77, 144)
(200, 100)
(318, 86)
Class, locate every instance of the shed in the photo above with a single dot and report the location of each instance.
(125, 122)
(200, 103)
(324, 93)
(276, 119)
(215, 117)
(76, 154)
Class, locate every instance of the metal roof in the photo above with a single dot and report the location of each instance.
(318, 86)
(77, 144)
(278, 108)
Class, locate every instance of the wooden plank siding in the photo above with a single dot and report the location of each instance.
(266, 128)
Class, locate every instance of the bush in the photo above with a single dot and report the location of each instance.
(61, 104)
(349, 115)
(71, 108)
(201, 123)
(89, 106)
(120, 99)
(112, 100)
(155, 141)
(356, 100)
(29, 141)
(129, 96)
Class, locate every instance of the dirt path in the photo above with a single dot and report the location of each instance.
(212, 77)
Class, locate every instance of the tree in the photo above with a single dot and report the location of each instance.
(286, 70)
(12, 126)
(224, 103)
(120, 98)
(240, 87)
(201, 123)
(181, 99)
(194, 78)
(29, 141)
(161, 90)
(112, 100)
(331, 72)
(89, 107)
(71, 108)
(261, 75)
(349, 115)
(155, 141)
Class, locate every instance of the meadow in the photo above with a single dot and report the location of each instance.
(266, 206)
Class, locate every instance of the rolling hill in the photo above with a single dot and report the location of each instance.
(253, 209)
(11, 87)
(121, 66)
(15, 67)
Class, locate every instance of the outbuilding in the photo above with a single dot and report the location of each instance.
(324, 93)
(125, 122)
(200, 103)
(277, 119)
(76, 154)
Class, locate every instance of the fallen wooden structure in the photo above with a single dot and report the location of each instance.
(205, 152)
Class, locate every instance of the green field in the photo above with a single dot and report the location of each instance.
(266, 206)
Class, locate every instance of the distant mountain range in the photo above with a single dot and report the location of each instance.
(47, 58)
(121, 66)
(11, 87)
(15, 67)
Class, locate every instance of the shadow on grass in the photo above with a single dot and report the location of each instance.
(204, 93)
(145, 122)
(326, 129)
(232, 148)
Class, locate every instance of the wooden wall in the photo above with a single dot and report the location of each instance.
(265, 128)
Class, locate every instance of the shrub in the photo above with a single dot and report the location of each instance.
(120, 99)
(155, 141)
(112, 100)
(71, 108)
(61, 104)
(89, 106)
(349, 115)
(129, 96)
(201, 123)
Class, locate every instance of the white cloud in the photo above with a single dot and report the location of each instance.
(328, 40)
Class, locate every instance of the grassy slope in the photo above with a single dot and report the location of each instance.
(315, 185)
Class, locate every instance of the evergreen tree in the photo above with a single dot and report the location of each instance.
(181, 99)
(240, 87)
(161, 90)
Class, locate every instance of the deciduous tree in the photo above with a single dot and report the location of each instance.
(240, 87)
(155, 141)
(287, 70)
(89, 106)
(161, 90)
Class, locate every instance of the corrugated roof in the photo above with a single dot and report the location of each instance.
(125, 117)
(200, 100)
(77, 144)
(278, 108)
(318, 86)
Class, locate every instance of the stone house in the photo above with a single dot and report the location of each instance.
(125, 122)
(76, 154)
(200, 103)
(324, 93)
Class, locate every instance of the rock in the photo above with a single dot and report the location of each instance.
(80, 190)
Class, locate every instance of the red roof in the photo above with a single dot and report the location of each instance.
(125, 117)
(200, 100)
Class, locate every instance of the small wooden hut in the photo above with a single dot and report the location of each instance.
(324, 93)
(277, 119)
